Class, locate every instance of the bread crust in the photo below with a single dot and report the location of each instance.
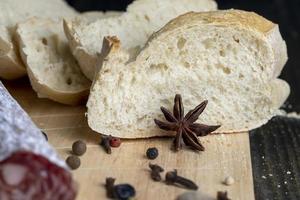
(236, 18)
(89, 61)
(84, 59)
(257, 25)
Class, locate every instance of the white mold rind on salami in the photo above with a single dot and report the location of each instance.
(18, 132)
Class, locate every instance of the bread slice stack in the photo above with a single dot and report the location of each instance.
(133, 28)
(231, 58)
(14, 11)
(52, 70)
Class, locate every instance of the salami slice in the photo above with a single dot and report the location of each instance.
(30, 169)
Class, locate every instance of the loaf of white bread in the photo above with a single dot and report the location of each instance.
(14, 11)
(231, 58)
(52, 70)
(133, 28)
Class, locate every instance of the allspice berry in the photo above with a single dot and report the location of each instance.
(79, 148)
(73, 162)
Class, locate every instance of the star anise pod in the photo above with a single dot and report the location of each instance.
(186, 128)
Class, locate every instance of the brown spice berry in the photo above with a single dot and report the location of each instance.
(79, 148)
(73, 162)
(114, 142)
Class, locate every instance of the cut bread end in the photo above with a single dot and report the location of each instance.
(229, 63)
(52, 70)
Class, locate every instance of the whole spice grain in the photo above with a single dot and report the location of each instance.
(173, 179)
(79, 148)
(120, 191)
(185, 126)
(115, 142)
(155, 172)
(152, 153)
(73, 162)
(228, 181)
(222, 195)
(106, 144)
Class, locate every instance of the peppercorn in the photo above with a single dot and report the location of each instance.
(114, 142)
(120, 191)
(73, 162)
(124, 191)
(152, 153)
(79, 148)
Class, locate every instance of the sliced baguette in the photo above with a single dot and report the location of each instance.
(52, 70)
(228, 57)
(142, 18)
(14, 11)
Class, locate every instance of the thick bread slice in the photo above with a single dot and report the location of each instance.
(226, 57)
(142, 18)
(14, 11)
(52, 69)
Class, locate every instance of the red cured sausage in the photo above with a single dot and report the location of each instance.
(30, 168)
(27, 176)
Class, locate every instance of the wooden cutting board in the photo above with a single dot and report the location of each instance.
(225, 155)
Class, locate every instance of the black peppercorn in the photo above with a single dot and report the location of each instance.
(73, 162)
(124, 191)
(152, 153)
(79, 148)
(120, 191)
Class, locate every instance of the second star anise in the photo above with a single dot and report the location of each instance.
(186, 128)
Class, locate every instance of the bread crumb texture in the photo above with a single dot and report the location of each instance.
(230, 66)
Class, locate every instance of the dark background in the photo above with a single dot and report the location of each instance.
(275, 147)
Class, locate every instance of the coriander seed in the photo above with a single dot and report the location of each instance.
(229, 181)
(115, 142)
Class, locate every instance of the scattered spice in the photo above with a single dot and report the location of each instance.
(152, 153)
(185, 126)
(79, 148)
(173, 179)
(45, 135)
(229, 181)
(73, 162)
(222, 195)
(106, 144)
(115, 142)
(155, 172)
(121, 191)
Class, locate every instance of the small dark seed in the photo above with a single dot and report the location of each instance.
(152, 153)
(79, 148)
(124, 191)
(73, 162)
(105, 143)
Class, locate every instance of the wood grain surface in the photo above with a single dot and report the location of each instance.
(225, 155)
